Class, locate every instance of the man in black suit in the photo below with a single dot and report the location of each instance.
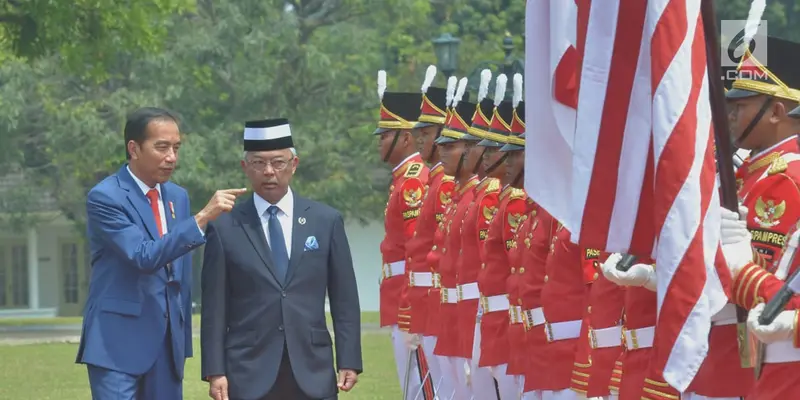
(266, 269)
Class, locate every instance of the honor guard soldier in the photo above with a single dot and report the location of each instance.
(481, 217)
(421, 278)
(754, 285)
(760, 100)
(398, 115)
(473, 233)
(637, 378)
(456, 154)
(491, 347)
(563, 296)
(506, 227)
(604, 329)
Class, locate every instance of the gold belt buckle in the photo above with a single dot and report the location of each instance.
(485, 304)
(459, 292)
(411, 279)
(549, 330)
(444, 295)
(527, 317)
(437, 280)
(592, 338)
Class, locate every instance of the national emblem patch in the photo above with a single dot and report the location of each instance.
(768, 214)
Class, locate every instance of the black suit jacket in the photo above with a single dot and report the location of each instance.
(248, 315)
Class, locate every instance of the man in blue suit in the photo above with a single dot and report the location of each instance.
(137, 325)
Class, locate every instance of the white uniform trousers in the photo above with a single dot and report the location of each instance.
(402, 355)
(442, 382)
(483, 386)
(694, 396)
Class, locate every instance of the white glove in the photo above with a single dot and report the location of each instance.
(735, 239)
(782, 328)
(411, 340)
(637, 275)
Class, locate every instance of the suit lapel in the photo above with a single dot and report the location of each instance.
(300, 232)
(166, 199)
(138, 201)
(251, 223)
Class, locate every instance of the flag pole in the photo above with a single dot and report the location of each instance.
(725, 168)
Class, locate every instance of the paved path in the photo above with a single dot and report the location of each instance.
(35, 334)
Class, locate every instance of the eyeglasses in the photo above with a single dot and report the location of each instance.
(276, 164)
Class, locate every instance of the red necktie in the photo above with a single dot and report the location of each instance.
(152, 195)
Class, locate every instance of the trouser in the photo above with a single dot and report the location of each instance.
(490, 382)
(160, 382)
(402, 356)
(694, 396)
(443, 383)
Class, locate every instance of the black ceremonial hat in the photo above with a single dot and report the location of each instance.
(268, 134)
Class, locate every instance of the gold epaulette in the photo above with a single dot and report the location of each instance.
(778, 165)
(414, 170)
(493, 186)
(518, 194)
(506, 191)
(448, 178)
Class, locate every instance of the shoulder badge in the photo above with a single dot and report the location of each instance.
(777, 166)
(414, 170)
(768, 213)
(494, 186)
(448, 178)
(518, 194)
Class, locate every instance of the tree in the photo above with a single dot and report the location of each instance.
(86, 33)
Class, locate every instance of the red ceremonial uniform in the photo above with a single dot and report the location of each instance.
(564, 297)
(450, 336)
(518, 354)
(473, 233)
(495, 269)
(434, 257)
(638, 379)
(421, 278)
(533, 241)
(604, 330)
(402, 209)
(780, 374)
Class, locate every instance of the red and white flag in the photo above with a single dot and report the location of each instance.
(551, 90)
(642, 171)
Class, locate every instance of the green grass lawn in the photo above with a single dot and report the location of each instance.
(48, 372)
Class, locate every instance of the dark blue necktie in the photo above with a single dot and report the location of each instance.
(277, 244)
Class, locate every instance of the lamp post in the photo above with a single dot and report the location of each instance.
(509, 66)
(446, 49)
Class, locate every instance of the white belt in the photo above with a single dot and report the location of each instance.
(494, 303)
(606, 337)
(533, 317)
(468, 291)
(726, 316)
(421, 279)
(390, 270)
(563, 330)
(641, 338)
(515, 315)
(449, 296)
(781, 352)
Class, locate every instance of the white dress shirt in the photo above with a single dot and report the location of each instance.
(146, 189)
(286, 209)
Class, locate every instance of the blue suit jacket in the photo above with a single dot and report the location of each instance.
(130, 291)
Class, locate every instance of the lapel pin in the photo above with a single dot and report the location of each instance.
(172, 209)
(301, 221)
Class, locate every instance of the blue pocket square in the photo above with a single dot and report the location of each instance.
(311, 244)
